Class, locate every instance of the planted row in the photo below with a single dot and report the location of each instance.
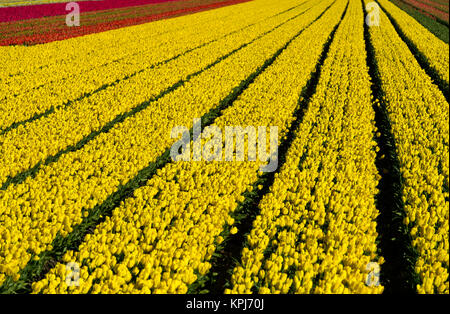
(434, 50)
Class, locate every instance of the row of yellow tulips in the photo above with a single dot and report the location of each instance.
(419, 115)
(18, 3)
(56, 85)
(169, 230)
(316, 232)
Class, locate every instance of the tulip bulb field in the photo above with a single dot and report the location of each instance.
(224, 147)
